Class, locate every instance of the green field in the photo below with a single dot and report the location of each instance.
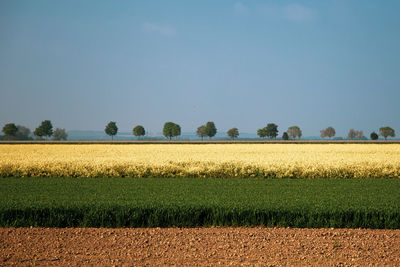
(119, 202)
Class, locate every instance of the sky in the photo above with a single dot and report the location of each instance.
(240, 64)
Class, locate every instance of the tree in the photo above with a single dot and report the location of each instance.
(139, 131)
(233, 133)
(45, 129)
(352, 134)
(60, 134)
(176, 130)
(374, 136)
(10, 130)
(111, 129)
(386, 131)
(211, 130)
(39, 132)
(294, 131)
(201, 132)
(359, 134)
(271, 130)
(171, 130)
(262, 133)
(285, 136)
(23, 133)
(328, 132)
(323, 133)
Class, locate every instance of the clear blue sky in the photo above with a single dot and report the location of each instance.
(241, 64)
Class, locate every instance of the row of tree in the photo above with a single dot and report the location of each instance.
(171, 130)
(44, 130)
(271, 131)
(359, 134)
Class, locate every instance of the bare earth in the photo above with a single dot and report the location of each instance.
(198, 246)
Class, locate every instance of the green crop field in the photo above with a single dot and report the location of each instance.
(119, 202)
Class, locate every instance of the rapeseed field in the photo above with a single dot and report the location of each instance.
(201, 160)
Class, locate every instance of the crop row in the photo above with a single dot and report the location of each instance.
(57, 202)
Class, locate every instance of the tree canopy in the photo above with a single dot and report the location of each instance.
(201, 131)
(351, 134)
(359, 134)
(328, 132)
(294, 131)
(271, 130)
(111, 129)
(60, 134)
(386, 132)
(211, 130)
(10, 130)
(233, 133)
(171, 130)
(38, 132)
(285, 136)
(45, 129)
(23, 133)
(374, 136)
(176, 130)
(139, 131)
(262, 132)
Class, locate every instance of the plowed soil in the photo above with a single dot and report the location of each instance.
(198, 246)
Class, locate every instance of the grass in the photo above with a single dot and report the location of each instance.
(119, 202)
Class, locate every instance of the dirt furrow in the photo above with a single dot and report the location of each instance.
(198, 246)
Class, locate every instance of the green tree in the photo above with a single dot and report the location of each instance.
(44, 129)
(262, 133)
(111, 129)
(169, 130)
(211, 130)
(294, 131)
(47, 128)
(139, 131)
(328, 132)
(386, 132)
(233, 133)
(176, 130)
(374, 136)
(39, 133)
(271, 130)
(10, 130)
(285, 136)
(201, 132)
(60, 134)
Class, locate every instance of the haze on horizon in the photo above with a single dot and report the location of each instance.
(240, 64)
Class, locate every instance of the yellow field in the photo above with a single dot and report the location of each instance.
(207, 160)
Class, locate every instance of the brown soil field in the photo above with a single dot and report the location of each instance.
(198, 246)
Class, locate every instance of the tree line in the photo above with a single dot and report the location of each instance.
(172, 130)
(385, 132)
(43, 131)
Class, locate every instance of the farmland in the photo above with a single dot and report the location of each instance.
(200, 161)
(119, 202)
(310, 185)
